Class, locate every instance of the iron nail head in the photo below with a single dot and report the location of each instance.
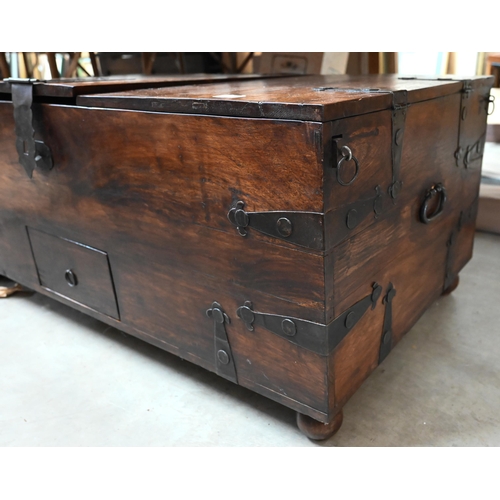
(350, 320)
(223, 357)
(288, 327)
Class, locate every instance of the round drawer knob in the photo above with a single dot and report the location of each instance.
(70, 278)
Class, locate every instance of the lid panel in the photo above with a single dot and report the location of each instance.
(72, 87)
(317, 98)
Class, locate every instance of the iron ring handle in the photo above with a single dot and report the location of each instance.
(491, 100)
(437, 190)
(347, 156)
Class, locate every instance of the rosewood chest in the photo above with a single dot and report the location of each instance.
(284, 233)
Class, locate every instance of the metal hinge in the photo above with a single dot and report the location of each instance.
(224, 361)
(344, 155)
(466, 154)
(306, 229)
(32, 153)
(315, 337)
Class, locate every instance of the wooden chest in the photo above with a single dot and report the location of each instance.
(283, 233)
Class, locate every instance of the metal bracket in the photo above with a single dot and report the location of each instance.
(399, 110)
(224, 361)
(304, 229)
(343, 220)
(465, 216)
(386, 340)
(464, 154)
(32, 153)
(467, 154)
(315, 337)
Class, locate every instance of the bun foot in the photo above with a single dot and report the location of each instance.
(452, 286)
(316, 430)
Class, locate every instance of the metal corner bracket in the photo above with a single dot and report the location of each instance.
(32, 153)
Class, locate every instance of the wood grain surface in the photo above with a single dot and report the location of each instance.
(72, 87)
(149, 192)
(314, 98)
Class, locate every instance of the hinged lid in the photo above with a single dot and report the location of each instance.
(72, 87)
(316, 98)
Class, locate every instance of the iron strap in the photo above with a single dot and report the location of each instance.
(399, 110)
(306, 229)
(464, 217)
(386, 340)
(463, 153)
(224, 362)
(315, 337)
(32, 153)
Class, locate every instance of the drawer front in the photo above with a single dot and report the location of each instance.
(74, 270)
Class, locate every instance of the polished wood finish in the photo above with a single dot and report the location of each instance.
(294, 98)
(69, 87)
(147, 195)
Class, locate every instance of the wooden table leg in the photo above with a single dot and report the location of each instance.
(93, 61)
(51, 58)
(73, 63)
(148, 60)
(4, 67)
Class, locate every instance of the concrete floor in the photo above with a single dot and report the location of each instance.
(69, 380)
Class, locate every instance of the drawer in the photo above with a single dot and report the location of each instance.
(75, 271)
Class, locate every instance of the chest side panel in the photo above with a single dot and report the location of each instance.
(121, 180)
(415, 256)
(158, 213)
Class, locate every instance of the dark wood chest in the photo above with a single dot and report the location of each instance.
(284, 233)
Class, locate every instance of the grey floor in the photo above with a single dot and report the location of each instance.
(69, 380)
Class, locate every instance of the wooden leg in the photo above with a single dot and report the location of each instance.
(4, 67)
(316, 430)
(73, 64)
(54, 72)
(9, 287)
(452, 286)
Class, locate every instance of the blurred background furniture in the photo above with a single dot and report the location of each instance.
(493, 67)
(46, 65)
